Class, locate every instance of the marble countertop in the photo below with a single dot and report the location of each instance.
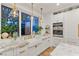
(3, 49)
(7, 44)
(64, 49)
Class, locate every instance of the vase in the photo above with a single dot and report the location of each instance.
(15, 35)
(4, 35)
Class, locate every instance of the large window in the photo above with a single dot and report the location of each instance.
(25, 24)
(9, 24)
(35, 24)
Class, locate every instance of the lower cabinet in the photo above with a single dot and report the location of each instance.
(38, 48)
(21, 51)
(9, 52)
(28, 50)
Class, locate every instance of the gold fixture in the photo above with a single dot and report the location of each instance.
(14, 11)
(41, 18)
(32, 12)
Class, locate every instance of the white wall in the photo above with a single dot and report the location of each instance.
(70, 21)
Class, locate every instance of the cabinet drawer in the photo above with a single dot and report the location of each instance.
(9, 52)
(21, 51)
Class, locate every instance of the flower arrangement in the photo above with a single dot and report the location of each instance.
(39, 28)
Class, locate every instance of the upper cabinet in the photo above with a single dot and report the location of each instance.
(58, 17)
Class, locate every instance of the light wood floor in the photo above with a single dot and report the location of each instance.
(47, 52)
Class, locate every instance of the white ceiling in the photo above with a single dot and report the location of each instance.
(48, 7)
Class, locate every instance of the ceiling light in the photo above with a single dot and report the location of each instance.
(14, 11)
(58, 4)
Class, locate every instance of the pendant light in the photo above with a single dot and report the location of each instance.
(14, 11)
(32, 12)
(41, 18)
(31, 18)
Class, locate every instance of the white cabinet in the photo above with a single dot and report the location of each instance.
(55, 41)
(9, 52)
(21, 51)
(58, 18)
(39, 47)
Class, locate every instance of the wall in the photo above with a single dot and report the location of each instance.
(48, 17)
(70, 21)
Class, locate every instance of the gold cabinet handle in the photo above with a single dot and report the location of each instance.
(35, 46)
(0, 53)
(22, 51)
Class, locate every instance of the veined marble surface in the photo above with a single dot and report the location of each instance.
(64, 49)
(6, 44)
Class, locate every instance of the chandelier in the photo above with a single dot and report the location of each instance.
(14, 11)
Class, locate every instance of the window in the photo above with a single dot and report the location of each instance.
(9, 24)
(25, 24)
(35, 24)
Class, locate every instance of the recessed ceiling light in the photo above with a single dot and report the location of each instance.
(58, 4)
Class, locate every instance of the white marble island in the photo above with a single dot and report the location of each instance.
(28, 47)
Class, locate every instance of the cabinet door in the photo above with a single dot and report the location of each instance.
(38, 48)
(21, 51)
(9, 52)
(31, 50)
(58, 18)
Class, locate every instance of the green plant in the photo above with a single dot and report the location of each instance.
(7, 28)
(39, 28)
